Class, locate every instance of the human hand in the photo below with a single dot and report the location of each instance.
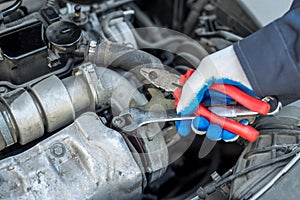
(222, 67)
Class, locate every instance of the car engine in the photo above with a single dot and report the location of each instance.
(69, 67)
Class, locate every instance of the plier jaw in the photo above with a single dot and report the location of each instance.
(161, 78)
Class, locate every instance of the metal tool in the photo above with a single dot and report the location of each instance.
(172, 82)
(268, 106)
(162, 78)
(132, 118)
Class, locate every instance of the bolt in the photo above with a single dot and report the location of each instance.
(118, 122)
(49, 11)
(92, 47)
(209, 8)
(77, 13)
(90, 68)
(79, 73)
(153, 75)
(58, 150)
(93, 44)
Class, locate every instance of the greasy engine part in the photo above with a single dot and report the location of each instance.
(107, 20)
(110, 54)
(86, 160)
(54, 104)
(20, 55)
(73, 162)
(47, 94)
(31, 57)
(279, 141)
(116, 29)
(46, 106)
(63, 37)
(267, 168)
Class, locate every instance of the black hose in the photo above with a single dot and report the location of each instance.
(203, 192)
(261, 178)
(114, 55)
(11, 9)
(283, 148)
(141, 17)
(193, 15)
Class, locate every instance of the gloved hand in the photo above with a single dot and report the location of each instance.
(221, 67)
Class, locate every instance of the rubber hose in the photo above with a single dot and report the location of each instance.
(114, 55)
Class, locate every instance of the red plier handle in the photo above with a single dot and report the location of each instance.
(256, 105)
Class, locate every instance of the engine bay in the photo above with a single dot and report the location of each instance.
(68, 68)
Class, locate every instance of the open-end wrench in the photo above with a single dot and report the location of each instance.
(132, 118)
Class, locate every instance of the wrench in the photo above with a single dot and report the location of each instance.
(132, 118)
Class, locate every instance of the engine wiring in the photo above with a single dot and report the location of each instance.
(203, 192)
(285, 148)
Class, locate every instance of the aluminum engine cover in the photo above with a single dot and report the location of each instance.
(86, 160)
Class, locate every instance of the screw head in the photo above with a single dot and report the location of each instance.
(58, 150)
(118, 122)
(153, 75)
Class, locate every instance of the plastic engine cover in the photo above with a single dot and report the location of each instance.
(282, 134)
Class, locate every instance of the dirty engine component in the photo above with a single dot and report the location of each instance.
(68, 68)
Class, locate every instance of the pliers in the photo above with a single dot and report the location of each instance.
(222, 116)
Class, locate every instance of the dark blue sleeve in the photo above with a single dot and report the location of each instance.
(271, 57)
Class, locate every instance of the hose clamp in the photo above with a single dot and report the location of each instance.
(87, 70)
(5, 132)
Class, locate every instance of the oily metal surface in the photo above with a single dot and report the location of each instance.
(86, 160)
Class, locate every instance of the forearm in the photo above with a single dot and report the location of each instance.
(271, 57)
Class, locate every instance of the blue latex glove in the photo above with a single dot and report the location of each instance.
(222, 67)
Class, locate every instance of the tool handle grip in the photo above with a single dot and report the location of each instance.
(235, 93)
(243, 98)
(244, 131)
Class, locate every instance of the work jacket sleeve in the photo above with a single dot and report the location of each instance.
(271, 57)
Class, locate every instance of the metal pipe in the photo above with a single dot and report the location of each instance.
(106, 23)
(26, 114)
(115, 90)
(48, 105)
